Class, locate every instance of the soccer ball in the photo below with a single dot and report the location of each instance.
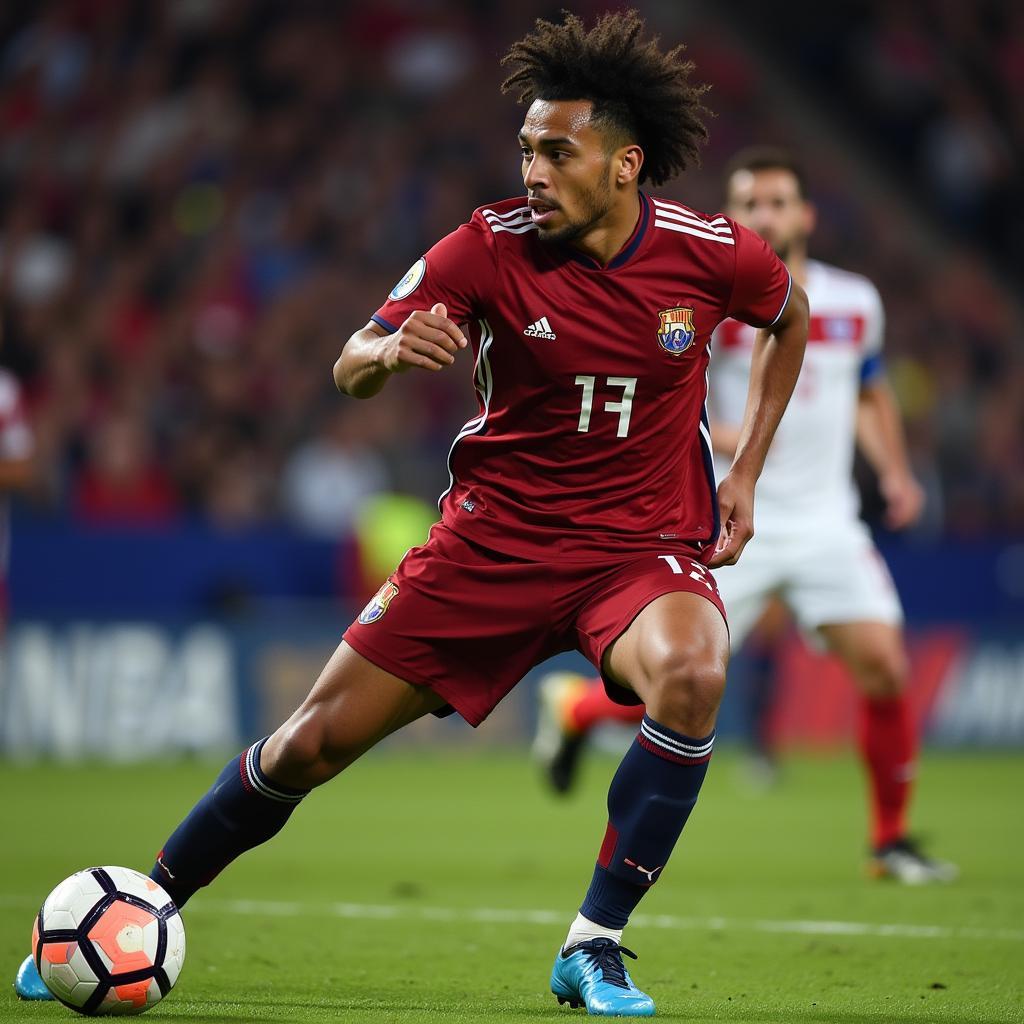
(109, 941)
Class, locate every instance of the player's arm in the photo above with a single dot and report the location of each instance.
(372, 354)
(777, 356)
(881, 439)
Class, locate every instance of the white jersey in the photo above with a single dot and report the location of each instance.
(807, 478)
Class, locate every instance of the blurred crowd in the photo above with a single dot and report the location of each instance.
(936, 89)
(201, 199)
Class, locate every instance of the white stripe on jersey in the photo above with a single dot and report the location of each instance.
(705, 435)
(515, 222)
(719, 225)
(518, 212)
(484, 387)
(683, 229)
(496, 228)
(671, 204)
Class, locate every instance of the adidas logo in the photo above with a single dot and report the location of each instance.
(540, 329)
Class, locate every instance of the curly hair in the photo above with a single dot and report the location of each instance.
(640, 93)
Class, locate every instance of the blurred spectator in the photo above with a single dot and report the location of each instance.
(330, 476)
(200, 201)
(122, 484)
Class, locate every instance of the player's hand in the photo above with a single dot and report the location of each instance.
(736, 514)
(427, 340)
(904, 500)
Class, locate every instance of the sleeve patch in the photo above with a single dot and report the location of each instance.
(871, 368)
(411, 281)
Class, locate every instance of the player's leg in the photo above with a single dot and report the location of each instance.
(570, 707)
(673, 655)
(352, 706)
(842, 590)
(874, 655)
(761, 654)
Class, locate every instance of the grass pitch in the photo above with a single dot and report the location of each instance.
(423, 887)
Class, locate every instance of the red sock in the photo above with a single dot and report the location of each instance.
(887, 746)
(594, 706)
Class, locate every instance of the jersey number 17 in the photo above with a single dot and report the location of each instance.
(624, 407)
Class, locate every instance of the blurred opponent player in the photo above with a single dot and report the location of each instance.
(582, 511)
(811, 549)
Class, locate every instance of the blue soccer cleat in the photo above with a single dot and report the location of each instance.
(28, 984)
(592, 974)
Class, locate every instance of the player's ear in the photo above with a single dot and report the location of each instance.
(810, 218)
(628, 161)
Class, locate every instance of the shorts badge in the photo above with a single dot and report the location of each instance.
(378, 604)
(676, 331)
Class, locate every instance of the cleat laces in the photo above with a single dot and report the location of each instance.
(607, 955)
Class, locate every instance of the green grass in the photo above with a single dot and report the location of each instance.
(433, 838)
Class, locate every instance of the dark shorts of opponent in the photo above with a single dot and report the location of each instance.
(469, 623)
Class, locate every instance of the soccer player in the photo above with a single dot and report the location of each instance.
(582, 512)
(811, 550)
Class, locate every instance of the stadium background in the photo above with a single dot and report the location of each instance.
(199, 201)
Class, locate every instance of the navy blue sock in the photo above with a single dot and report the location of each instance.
(242, 809)
(650, 798)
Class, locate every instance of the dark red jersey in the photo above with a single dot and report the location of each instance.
(591, 434)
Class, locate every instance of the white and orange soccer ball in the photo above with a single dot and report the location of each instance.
(109, 941)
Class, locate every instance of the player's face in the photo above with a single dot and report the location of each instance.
(567, 169)
(769, 202)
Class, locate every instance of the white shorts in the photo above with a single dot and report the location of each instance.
(829, 576)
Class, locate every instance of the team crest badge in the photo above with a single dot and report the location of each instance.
(378, 604)
(676, 331)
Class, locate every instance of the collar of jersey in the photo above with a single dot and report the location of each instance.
(624, 255)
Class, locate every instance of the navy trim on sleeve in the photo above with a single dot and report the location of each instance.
(872, 368)
(390, 328)
(785, 302)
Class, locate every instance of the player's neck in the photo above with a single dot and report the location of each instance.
(606, 238)
(796, 261)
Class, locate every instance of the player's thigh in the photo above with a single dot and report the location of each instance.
(461, 620)
(674, 655)
(873, 653)
(352, 706)
(674, 627)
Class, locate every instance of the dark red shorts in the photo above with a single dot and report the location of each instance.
(470, 623)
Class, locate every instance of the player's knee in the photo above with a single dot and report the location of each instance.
(883, 671)
(304, 754)
(686, 689)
